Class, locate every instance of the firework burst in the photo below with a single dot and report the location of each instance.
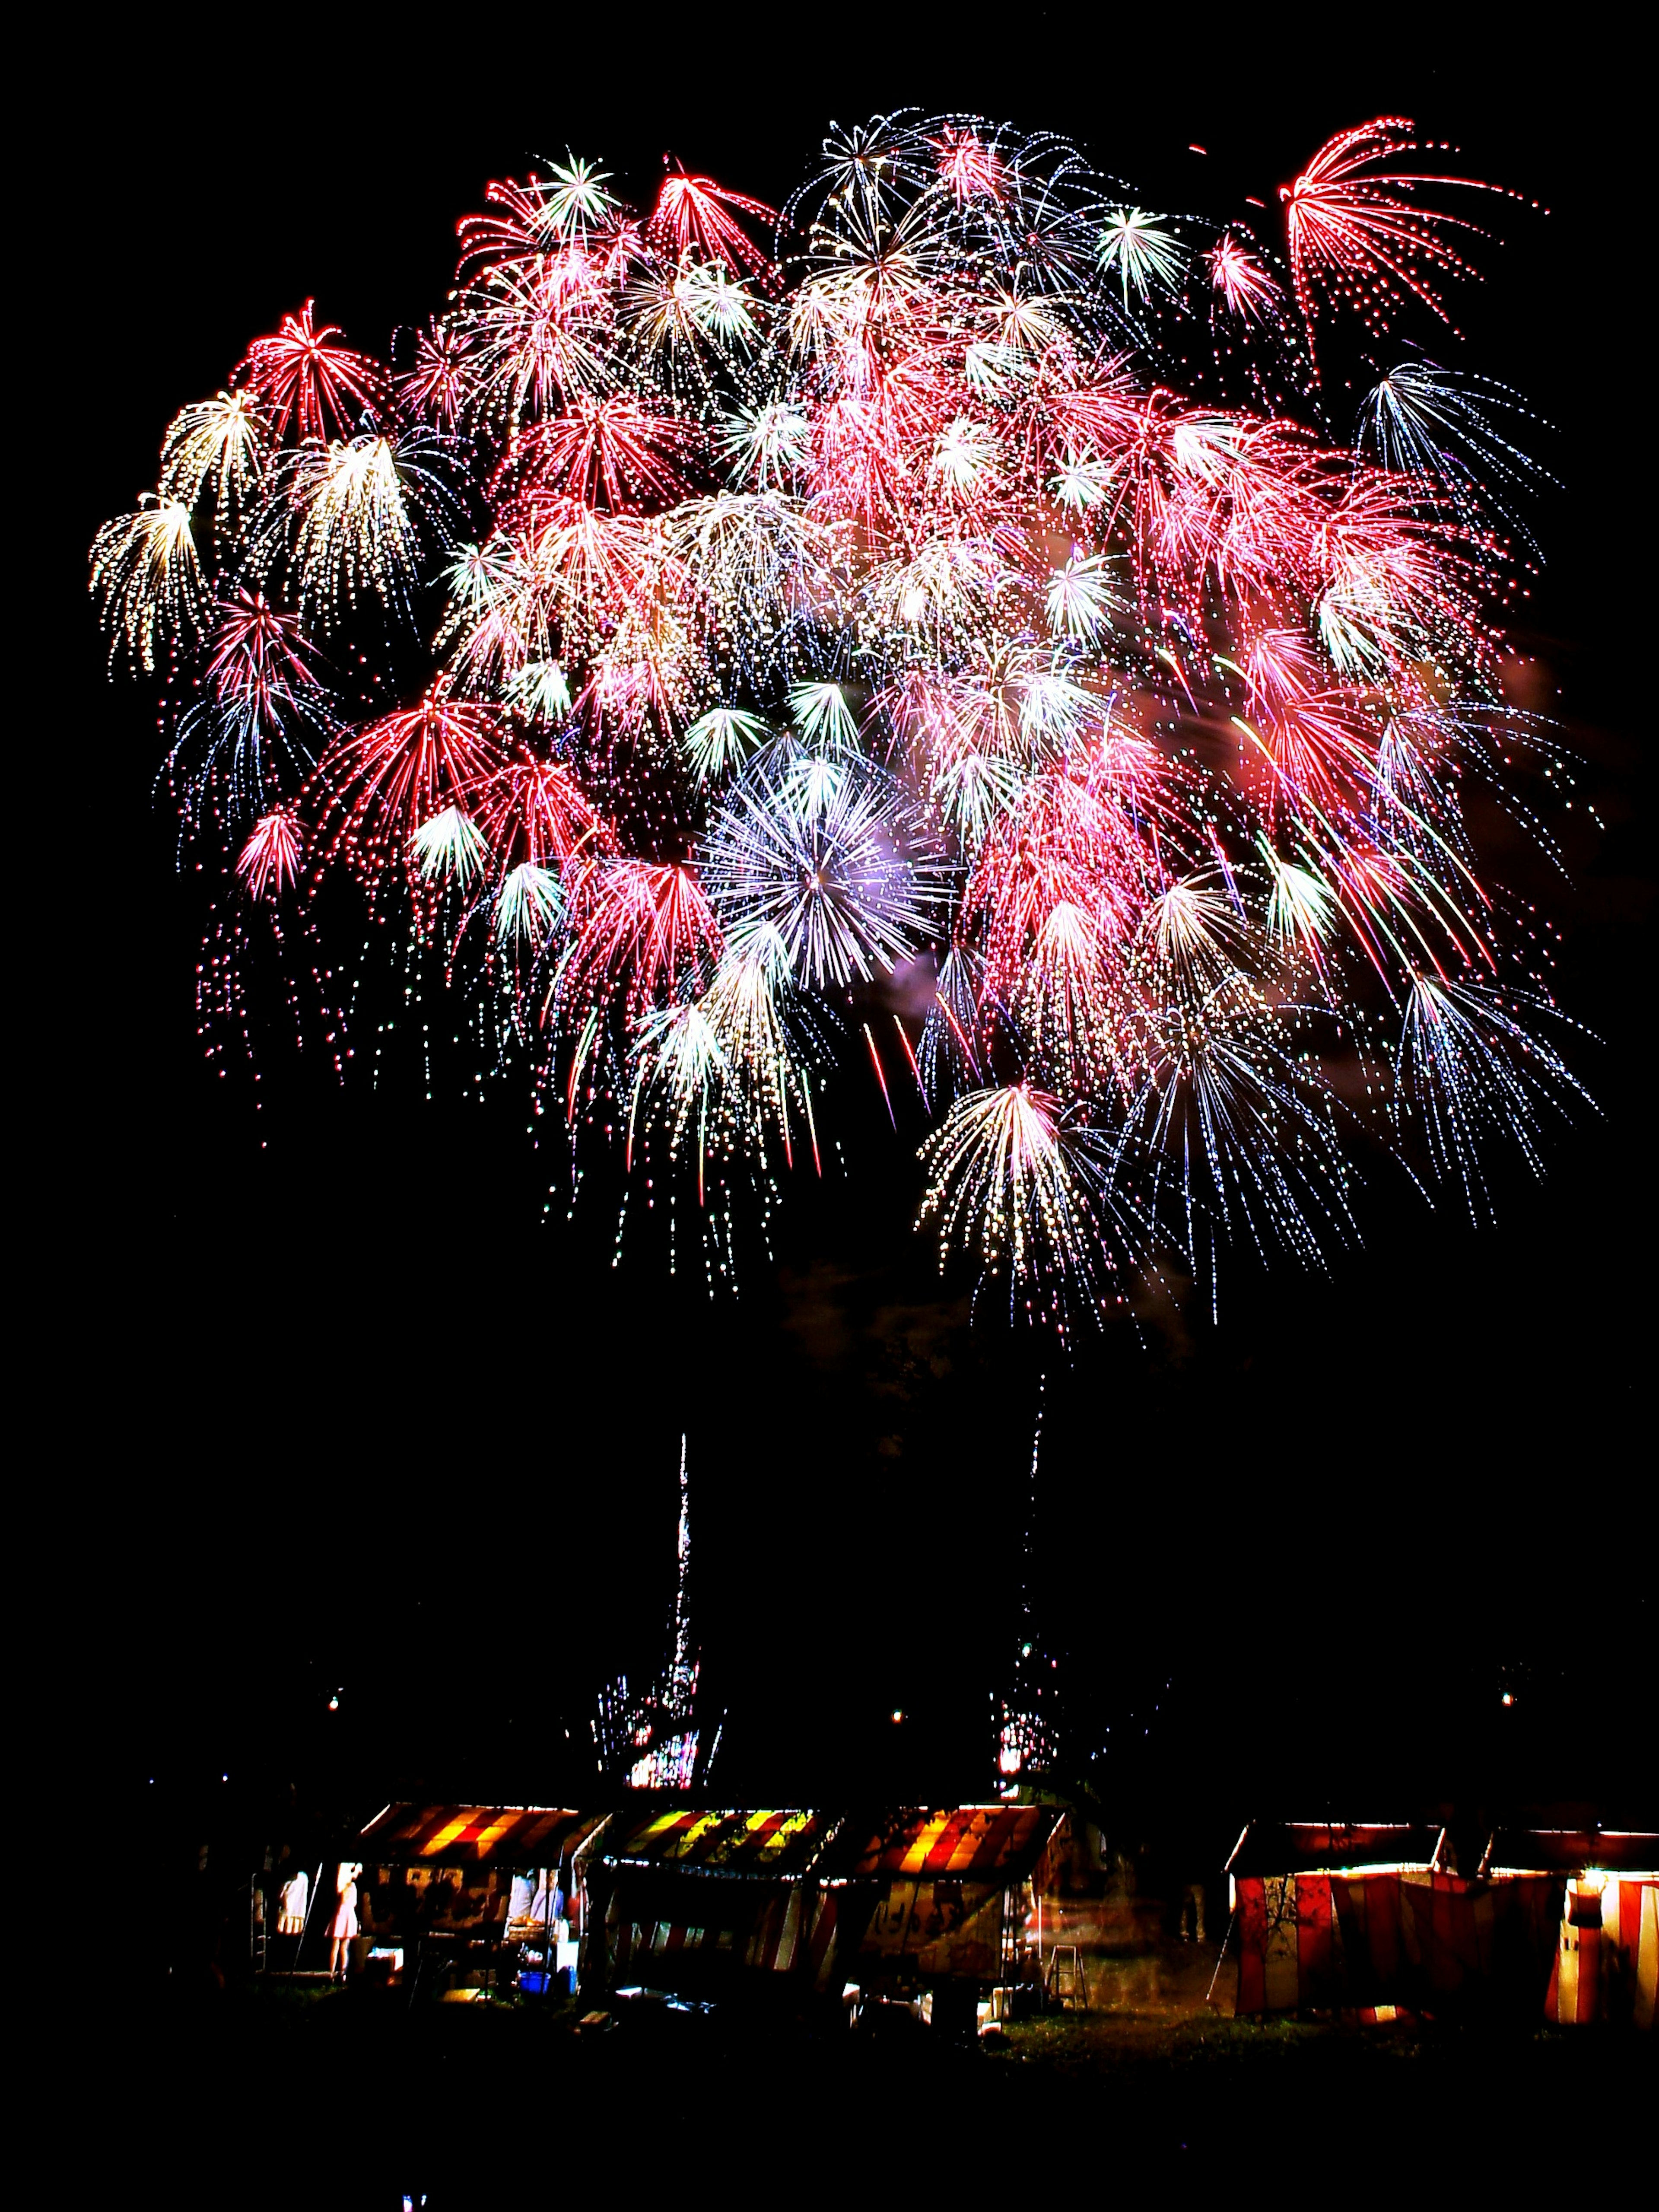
(724, 626)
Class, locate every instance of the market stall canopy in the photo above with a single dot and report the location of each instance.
(1268, 1847)
(473, 1835)
(1572, 1851)
(998, 1844)
(778, 1846)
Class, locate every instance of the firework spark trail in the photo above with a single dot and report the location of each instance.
(713, 613)
(1356, 230)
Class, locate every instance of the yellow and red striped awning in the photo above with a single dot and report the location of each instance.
(472, 1835)
(968, 1843)
(782, 1844)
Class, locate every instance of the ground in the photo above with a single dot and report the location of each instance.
(285, 2095)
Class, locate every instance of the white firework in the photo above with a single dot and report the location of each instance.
(831, 864)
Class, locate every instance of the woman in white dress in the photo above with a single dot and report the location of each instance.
(344, 1926)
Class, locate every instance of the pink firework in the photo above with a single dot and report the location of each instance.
(269, 861)
(643, 931)
(1058, 884)
(436, 385)
(967, 167)
(1241, 282)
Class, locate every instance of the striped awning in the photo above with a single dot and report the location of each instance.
(780, 1845)
(470, 1835)
(969, 1843)
(1572, 1851)
(1287, 1847)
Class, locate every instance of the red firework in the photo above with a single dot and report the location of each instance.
(255, 653)
(643, 930)
(692, 212)
(612, 449)
(305, 380)
(1357, 231)
(533, 810)
(383, 782)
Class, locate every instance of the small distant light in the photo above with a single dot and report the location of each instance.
(899, 1716)
(1509, 1697)
(1025, 1651)
(224, 1778)
(334, 1705)
(1196, 149)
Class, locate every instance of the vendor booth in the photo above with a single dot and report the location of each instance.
(696, 1901)
(809, 1904)
(1378, 1920)
(461, 1898)
(952, 1893)
(1604, 1885)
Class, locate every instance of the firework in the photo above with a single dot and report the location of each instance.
(220, 449)
(1357, 231)
(147, 579)
(348, 523)
(1012, 1186)
(269, 861)
(815, 856)
(1136, 249)
(1448, 431)
(1241, 282)
(725, 627)
(305, 383)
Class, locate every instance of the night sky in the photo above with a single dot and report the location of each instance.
(345, 1412)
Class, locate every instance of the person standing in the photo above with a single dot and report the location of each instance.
(344, 1926)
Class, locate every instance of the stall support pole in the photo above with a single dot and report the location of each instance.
(1220, 1955)
(311, 1907)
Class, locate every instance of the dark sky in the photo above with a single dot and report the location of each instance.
(348, 1413)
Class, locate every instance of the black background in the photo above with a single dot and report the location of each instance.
(324, 1405)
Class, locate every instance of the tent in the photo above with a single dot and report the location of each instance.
(695, 1900)
(1373, 1918)
(443, 1876)
(946, 1885)
(703, 1901)
(1606, 1882)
